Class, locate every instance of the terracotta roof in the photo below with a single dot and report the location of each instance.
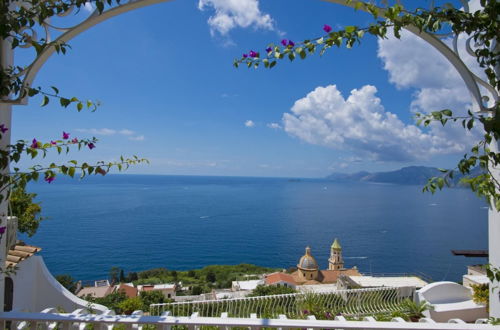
(129, 291)
(20, 252)
(279, 277)
(331, 276)
(327, 276)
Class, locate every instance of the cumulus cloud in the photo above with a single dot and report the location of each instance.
(230, 14)
(414, 64)
(360, 124)
(249, 123)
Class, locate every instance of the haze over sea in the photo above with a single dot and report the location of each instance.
(139, 222)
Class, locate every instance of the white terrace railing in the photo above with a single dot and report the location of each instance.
(80, 320)
(358, 302)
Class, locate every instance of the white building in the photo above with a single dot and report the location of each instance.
(246, 285)
(353, 282)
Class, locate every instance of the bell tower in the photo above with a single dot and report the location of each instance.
(335, 262)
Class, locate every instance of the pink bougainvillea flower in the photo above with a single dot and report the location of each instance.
(291, 43)
(91, 146)
(269, 49)
(100, 171)
(284, 42)
(2, 230)
(34, 144)
(245, 55)
(49, 179)
(253, 54)
(53, 142)
(3, 129)
(327, 28)
(65, 135)
(75, 140)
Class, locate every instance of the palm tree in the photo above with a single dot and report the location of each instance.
(414, 310)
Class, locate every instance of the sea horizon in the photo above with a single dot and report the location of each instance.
(137, 222)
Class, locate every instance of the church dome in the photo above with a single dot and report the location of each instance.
(307, 262)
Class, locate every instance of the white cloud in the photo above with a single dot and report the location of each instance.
(249, 123)
(126, 132)
(274, 126)
(360, 124)
(413, 63)
(108, 131)
(97, 131)
(230, 14)
(137, 138)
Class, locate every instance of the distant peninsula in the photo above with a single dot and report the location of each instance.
(411, 175)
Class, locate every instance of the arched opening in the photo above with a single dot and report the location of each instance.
(8, 294)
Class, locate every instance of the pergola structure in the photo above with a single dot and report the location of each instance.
(481, 93)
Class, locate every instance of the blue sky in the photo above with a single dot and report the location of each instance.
(169, 93)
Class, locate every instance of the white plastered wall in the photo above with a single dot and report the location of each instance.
(35, 289)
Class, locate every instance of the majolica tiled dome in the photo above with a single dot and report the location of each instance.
(307, 261)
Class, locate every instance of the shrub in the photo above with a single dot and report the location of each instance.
(481, 294)
(129, 305)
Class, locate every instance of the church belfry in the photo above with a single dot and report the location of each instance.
(335, 262)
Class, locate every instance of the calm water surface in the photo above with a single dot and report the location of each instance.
(139, 222)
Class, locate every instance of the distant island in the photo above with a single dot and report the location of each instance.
(411, 175)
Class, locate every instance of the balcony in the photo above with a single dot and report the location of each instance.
(80, 319)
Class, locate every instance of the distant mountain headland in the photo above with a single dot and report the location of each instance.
(411, 175)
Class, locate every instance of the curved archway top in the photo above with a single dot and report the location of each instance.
(70, 33)
(471, 81)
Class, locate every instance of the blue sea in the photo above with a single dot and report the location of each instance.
(139, 222)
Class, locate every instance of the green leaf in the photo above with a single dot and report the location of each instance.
(45, 100)
(447, 112)
(350, 29)
(71, 172)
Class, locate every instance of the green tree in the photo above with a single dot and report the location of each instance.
(211, 277)
(122, 276)
(152, 297)
(268, 290)
(112, 300)
(67, 281)
(129, 305)
(25, 209)
(196, 290)
(114, 274)
(132, 276)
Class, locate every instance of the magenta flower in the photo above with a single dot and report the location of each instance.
(269, 49)
(65, 135)
(305, 312)
(284, 42)
(245, 55)
(53, 142)
(91, 145)
(2, 230)
(327, 28)
(34, 144)
(75, 140)
(253, 54)
(3, 129)
(291, 43)
(49, 179)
